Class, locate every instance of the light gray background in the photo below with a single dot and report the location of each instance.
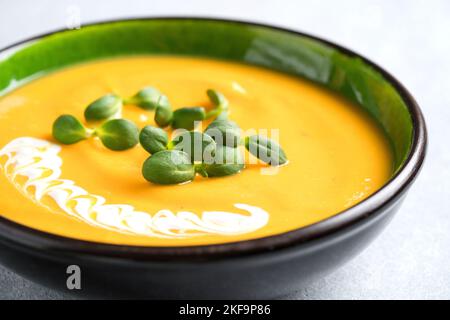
(411, 39)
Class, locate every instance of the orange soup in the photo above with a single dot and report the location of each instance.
(337, 154)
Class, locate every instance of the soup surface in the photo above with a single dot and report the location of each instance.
(337, 157)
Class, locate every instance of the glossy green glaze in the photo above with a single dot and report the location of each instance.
(252, 44)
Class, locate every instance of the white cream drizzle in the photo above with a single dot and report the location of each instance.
(38, 161)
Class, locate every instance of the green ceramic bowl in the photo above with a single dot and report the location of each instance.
(232, 270)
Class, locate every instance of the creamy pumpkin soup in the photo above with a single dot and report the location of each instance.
(333, 155)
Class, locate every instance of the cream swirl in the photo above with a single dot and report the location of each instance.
(39, 162)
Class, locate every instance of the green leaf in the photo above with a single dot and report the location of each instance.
(153, 139)
(187, 118)
(163, 113)
(220, 103)
(197, 145)
(168, 167)
(227, 161)
(266, 150)
(118, 134)
(222, 115)
(217, 98)
(68, 130)
(103, 108)
(224, 132)
(200, 169)
(146, 98)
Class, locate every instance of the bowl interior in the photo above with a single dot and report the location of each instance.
(272, 48)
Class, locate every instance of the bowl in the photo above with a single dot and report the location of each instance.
(262, 268)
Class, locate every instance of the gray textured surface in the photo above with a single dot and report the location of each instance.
(411, 259)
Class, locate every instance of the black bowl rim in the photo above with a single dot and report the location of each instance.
(16, 233)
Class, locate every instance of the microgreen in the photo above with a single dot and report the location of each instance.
(163, 112)
(168, 167)
(68, 130)
(227, 161)
(224, 132)
(146, 98)
(199, 146)
(118, 134)
(187, 118)
(153, 139)
(106, 107)
(214, 153)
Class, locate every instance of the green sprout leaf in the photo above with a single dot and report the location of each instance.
(68, 130)
(187, 118)
(163, 113)
(168, 167)
(217, 98)
(103, 108)
(200, 169)
(266, 150)
(146, 98)
(220, 104)
(118, 134)
(224, 132)
(153, 139)
(199, 146)
(227, 161)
